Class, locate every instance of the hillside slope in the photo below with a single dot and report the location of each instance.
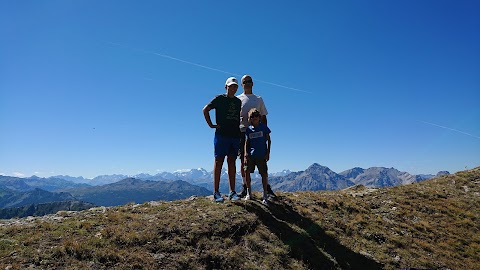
(44, 209)
(432, 224)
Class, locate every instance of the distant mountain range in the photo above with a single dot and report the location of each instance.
(193, 176)
(30, 183)
(138, 191)
(315, 177)
(378, 177)
(110, 190)
(18, 197)
(318, 177)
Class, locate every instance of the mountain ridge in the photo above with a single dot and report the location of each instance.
(315, 177)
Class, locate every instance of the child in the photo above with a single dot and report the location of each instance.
(257, 152)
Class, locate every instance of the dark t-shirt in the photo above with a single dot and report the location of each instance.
(227, 115)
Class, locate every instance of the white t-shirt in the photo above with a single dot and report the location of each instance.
(248, 102)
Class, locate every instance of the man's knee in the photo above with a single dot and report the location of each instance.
(219, 160)
(231, 159)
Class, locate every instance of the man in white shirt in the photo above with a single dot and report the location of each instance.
(249, 101)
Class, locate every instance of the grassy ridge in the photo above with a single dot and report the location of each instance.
(433, 224)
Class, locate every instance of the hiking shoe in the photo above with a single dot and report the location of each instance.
(247, 197)
(217, 197)
(244, 191)
(270, 192)
(265, 200)
(232, 196)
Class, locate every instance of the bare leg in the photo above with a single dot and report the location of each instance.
(217, 170)
(242, 160)
(265, 183)
(231, 171)
(242, 170)
(248, 180)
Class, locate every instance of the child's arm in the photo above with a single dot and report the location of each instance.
(264, 119)
(269, 145)
(245, 150)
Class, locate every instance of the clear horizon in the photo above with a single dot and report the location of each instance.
(92, 88)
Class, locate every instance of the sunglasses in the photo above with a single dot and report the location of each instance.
(254, 115)
(247, 81)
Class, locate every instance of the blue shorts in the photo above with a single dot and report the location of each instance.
(226, 146)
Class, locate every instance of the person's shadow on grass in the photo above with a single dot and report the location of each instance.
(312, 245)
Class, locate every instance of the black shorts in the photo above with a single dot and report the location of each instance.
(261, 164)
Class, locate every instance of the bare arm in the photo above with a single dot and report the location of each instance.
(245, 150)
(269, 145)
(264, 119)
(206, 113)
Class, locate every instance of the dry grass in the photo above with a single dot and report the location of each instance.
(433, 224)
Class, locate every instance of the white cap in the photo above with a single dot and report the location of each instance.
(230, 81)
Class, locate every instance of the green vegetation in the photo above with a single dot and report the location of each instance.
(432, 224)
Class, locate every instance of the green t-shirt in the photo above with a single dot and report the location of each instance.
(227, 115)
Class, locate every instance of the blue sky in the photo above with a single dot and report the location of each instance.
(117, 87)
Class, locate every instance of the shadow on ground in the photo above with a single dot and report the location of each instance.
(312, 246)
